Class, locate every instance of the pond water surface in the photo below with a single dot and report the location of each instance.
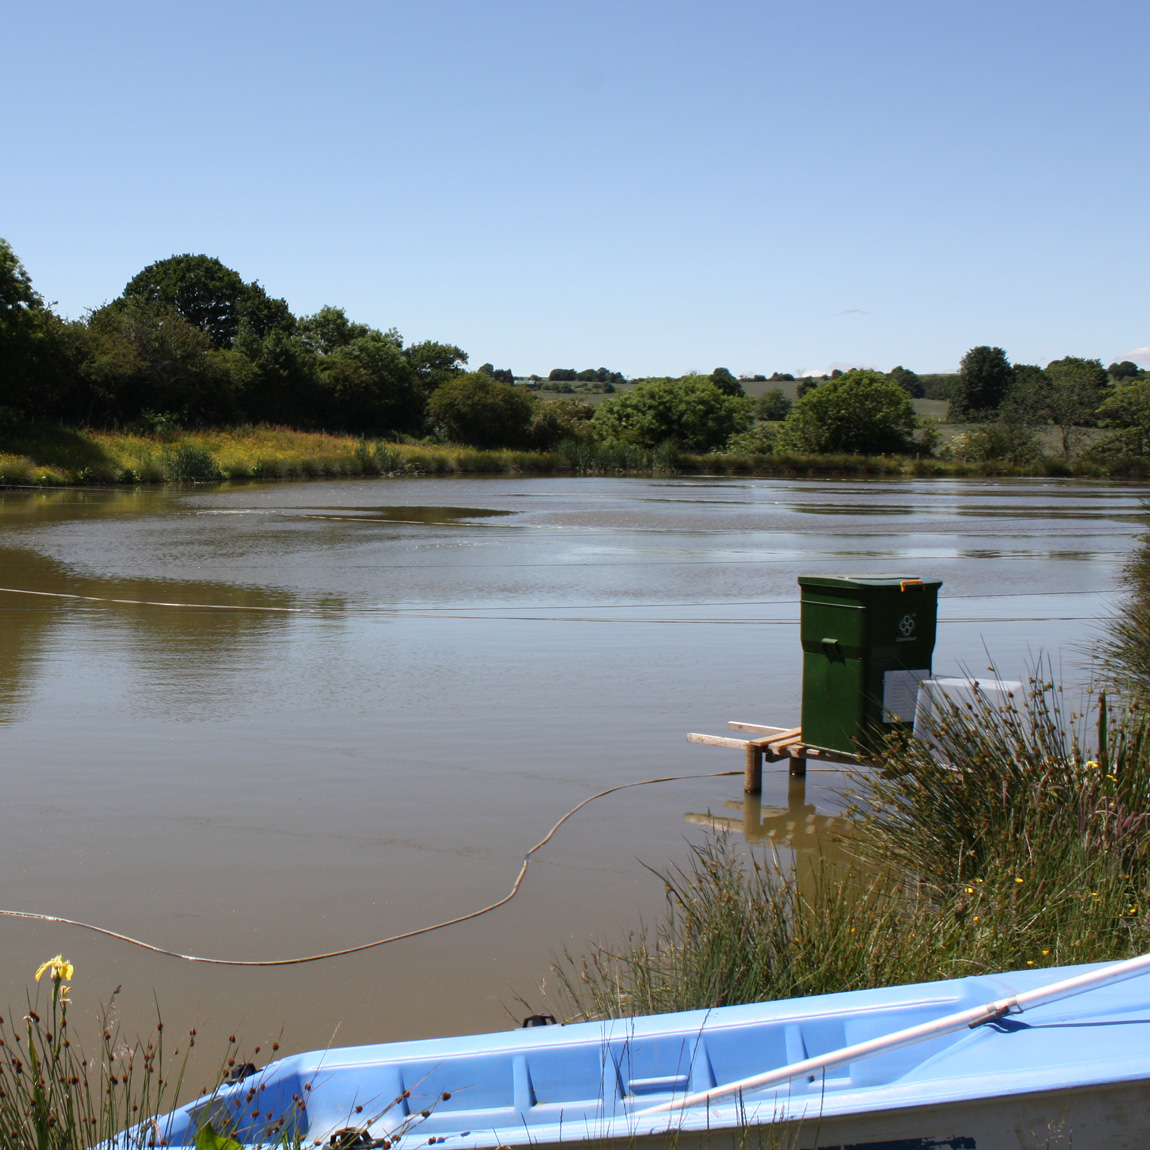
(268, 721)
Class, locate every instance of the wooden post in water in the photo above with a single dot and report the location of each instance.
(798, 765)
(753, 777)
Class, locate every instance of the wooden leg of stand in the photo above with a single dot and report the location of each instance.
(753, 779)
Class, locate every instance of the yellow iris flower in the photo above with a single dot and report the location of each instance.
(59, 969)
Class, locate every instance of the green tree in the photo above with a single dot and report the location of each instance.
(479, 410)
(24, 334)
(1076, 389)
(691, 412)
(285, 386)
(773, 406)
(984, 376)
(435, 363)
(143, 357)
(1126, 370)
(1127, 408)
(330, 329)
(726, 382)
(210, 296)
(370, 386)
(908, 381)
(556, 420)
(860, 411)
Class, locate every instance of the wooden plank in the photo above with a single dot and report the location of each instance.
(717, 741)
(759, 729)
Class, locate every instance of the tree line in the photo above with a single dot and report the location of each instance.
(189, 343)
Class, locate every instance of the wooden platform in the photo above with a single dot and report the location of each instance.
(771, 744)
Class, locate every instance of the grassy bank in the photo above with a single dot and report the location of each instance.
(1019, 841)
(46, 455)
(1028, 850)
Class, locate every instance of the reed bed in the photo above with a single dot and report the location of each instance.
(1017, 838)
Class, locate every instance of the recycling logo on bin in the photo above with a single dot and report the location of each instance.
(906, 626)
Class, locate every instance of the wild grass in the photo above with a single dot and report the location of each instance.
(54, 1097)
(48, 455)
(1018, 839)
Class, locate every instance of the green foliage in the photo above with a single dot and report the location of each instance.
(860, 411)
(773, 406)
(209, 296)
(141, 355)
(1126, 370)
(1010, 441)
(1128, 407)
(936, 386)
(690, 412)
(556, 420)
(435, 363)
(23, 323)
(479, 410)
(757, 440)
(1076, 389)
(370, 387)
(908, 381)
(984, 376)
(726, 382)
(329, 330)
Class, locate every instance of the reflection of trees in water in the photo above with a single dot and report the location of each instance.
(170, 640)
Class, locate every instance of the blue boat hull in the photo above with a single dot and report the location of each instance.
(1075, 1072)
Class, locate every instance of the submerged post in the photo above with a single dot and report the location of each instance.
(753, 777)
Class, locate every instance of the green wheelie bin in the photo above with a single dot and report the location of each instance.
(867, 643)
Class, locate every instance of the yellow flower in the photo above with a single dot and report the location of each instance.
(58, 968)
(1017, 879)
(976, 918)
(970, 890)
(1046, 952)
(1092, 764)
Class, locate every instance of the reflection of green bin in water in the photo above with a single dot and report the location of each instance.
(867, 642)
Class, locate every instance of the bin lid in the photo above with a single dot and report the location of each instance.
(867, 580)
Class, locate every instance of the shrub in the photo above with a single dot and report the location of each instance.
(690, 412)
(859, 411)
(481, 411)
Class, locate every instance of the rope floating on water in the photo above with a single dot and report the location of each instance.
(25, 914)
(387, 613)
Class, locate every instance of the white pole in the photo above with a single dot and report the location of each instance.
(974, 1016)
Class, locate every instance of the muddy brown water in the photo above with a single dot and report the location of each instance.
(285, 719)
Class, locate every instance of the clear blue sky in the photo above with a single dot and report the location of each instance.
(653, 187)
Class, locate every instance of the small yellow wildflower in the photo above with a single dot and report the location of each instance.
(970, 890)
(1030, 962)
(1017, 879)
(58, 968)
(976, 918)
(1091, 764)
(1046, 952)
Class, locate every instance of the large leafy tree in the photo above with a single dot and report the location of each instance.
(210, 296)
(1076, 389)
(22, 332)
(859, 411)
(142, 357)
(477, 409)
(435, 363)
(984, 377)
(691, 412)
(370, 386)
